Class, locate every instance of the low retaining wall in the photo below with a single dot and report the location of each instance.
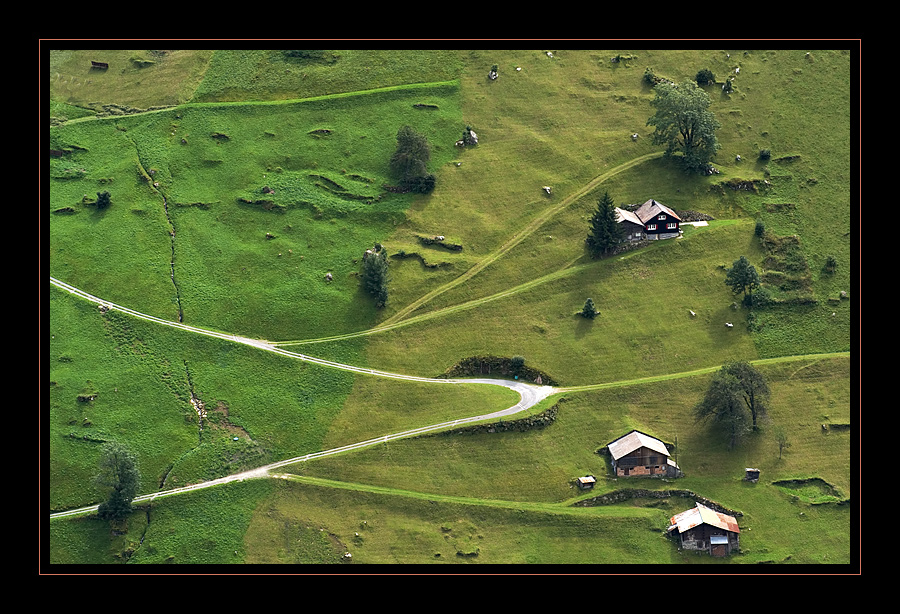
(617, 496)
(538, 421)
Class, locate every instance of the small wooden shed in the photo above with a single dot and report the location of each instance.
(587, 482)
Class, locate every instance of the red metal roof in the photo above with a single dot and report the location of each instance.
(701, 514)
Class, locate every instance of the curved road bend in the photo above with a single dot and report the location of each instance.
(530, 395)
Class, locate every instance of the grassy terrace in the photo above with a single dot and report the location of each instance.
(240, 178)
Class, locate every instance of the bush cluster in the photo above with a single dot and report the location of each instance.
(409, 162)
(375, 274)
(705, 77)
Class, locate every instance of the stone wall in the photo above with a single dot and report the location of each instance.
(538, 421)
(618, 496)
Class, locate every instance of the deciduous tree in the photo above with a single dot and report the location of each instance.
(375, 274)
(753, 388)
(782, 440)
(410, 160)
(684, 123)
(742, 277)
(118, 472)
(723, 406)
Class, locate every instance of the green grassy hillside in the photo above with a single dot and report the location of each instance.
(239, 179)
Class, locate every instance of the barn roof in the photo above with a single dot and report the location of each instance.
(634, 440)
(627, 216)
(651, 209)
(701, 514)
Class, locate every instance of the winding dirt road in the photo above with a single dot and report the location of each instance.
(530, 395)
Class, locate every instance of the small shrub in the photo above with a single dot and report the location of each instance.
(516, 363)
(705, 77)
(760, 298)
(760, 229)
(103, 199)
(765, 154)
(830, 264)
(420, 185)
(650, 78)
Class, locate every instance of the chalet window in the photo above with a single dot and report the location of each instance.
(661, 217)
(671, 225)
(651, 226)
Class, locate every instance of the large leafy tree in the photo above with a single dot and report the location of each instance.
(723, 406)
(605, 231)
(410, 160)
(753, 388)
(742, 277)
(736, 399)
(684, 123)
(119, 473)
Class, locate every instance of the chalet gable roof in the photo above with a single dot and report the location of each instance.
(634, 440)
(650, 209)
(703, 515)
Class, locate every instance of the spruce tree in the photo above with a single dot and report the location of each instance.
(589, 311)
(605, 231)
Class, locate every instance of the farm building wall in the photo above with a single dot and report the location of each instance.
(698, 538)
(632, 232)
(642, 462)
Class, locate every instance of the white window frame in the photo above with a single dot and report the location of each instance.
(651, 226)
(671, 226)
(661, 216)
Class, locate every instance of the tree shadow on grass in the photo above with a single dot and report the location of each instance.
(583, 326)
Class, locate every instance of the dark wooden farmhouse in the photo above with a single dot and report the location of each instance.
(639, 454)
(652, 220)
(702, 528)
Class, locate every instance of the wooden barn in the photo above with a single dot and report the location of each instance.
(639, 454)
(704, 529)
(632, 226)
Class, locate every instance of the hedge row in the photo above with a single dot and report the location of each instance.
(477, 366)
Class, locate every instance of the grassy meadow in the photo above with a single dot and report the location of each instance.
(239, 179)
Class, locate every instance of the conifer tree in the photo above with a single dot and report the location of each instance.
(605, 231)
